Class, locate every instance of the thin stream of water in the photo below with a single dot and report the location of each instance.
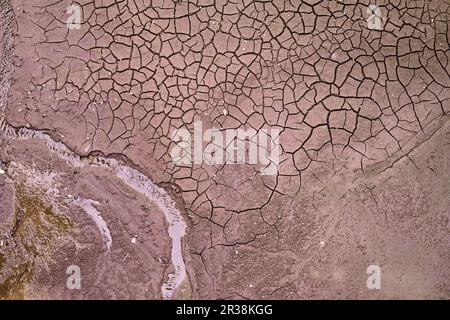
(96, 216)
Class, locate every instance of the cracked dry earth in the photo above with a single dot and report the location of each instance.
(364, 173)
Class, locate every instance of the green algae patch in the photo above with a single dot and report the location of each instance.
(37, 230)
(36, 218)
(13, 286)
(2, 260)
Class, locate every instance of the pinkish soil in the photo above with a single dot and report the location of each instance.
(365, 133)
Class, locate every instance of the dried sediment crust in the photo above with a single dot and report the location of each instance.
(356, 108)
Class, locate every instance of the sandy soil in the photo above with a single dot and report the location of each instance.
(365, 134)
